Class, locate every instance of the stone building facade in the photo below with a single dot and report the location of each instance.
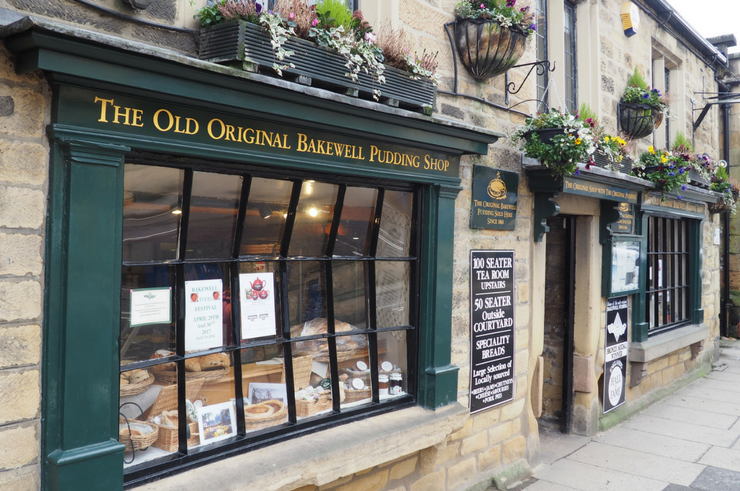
(430, 446)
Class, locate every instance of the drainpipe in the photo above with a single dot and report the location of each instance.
(724, 324)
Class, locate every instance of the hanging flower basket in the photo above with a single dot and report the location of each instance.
(637, 120)
(486, 48)
(247, 46)
(544, 134)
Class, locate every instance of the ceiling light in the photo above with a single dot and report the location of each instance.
(177, 211)
(313, 212)
(265, 210)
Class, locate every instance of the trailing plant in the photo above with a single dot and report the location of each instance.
(729, 190)
(279, 34)
(638, 92)
(681, 143)
(504, 12)
(667, 171)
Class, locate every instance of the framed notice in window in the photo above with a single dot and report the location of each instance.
(621, 269)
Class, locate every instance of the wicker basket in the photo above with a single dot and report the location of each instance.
(169, 440)
(136, 442)
(302, 365)
(135, 389)
(259, 421)
(170, 377)
(357, 395)
(167, 400)
(304, 409)
(323, 356)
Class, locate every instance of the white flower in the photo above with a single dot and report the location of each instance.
(370, 37)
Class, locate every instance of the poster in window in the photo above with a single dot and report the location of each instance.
(491, 329)
(151, 306)
(257, 295)
(625, 266)
(203, 314)
(615, 360)
(216, 422)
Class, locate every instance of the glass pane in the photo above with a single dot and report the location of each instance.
(395, 225)
(350, 292)
(152, 198)
(354, 371)
(263, 385)
(215, 410)
(147, 307)
(306, 293)
(313, 219)
(260, 307)
(392, 287)
(392, 355)
(214, 205)
(266, 213)
(154, 431)
(207, 298)
(316, 398)
(356, 225)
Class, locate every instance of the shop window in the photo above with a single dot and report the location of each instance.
(668, 274)
(254, 306)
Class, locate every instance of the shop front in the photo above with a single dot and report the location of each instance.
(235, 265)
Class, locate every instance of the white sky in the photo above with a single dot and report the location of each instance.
(711, 17)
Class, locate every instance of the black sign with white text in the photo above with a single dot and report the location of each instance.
(615, 361)
(491, 328)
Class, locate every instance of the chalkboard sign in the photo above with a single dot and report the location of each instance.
(491, 328)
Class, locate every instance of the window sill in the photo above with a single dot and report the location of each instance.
(326, 456)
(664, 344)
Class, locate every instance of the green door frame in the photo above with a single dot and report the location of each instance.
(83, 247)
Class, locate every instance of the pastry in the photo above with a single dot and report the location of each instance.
(192, 365)
(137, 376)
(124, 433)
(124, 380)
(258, 410)
(217, 360)
(164, 367)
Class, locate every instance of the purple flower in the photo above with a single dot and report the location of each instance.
(532, 26)
(510, 3)
(679, 197)
(671, 174)
(524, 9)
(646, 96)
(680, 170)
(683, 187)
(578, 171)
(258, 8)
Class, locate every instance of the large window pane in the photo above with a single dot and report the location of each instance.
(263, 385)
(264, 222)
(214, 206)
(306, 292)
(395, 225)
(350, 292)
(392, 286)
(313, 219)
(152, 200)
(356, 225)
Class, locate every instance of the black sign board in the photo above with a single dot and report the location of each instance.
(615, 361)
(626, 222)
(494, 198)
(491, 328)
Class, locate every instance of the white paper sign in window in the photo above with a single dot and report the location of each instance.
(151, 306)
(257, 296)
(203, 314)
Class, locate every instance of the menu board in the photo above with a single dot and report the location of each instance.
(491, 329)
(203, 314)
(615, 360)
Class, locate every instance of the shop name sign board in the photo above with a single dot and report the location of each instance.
(626, 222)
(494, 199)
(491, 328)
(596, 190)
(109, 112)
(672, 204)
(615, 360)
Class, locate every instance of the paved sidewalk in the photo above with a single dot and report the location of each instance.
(689, 441)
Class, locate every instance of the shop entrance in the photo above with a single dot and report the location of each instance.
(557, 393)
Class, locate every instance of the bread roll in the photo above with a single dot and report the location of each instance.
(217, 360)
(192, 365)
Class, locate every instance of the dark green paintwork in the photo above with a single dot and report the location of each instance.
(489, 212)
(545, 207)
(83, 253)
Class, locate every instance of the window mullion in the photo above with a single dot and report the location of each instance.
(187, 189)
(243, 201)
(287, 347)
(332, 341)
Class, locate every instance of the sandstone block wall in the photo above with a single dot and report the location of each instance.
(24, 161)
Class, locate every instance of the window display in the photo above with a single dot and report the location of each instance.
(270, 281)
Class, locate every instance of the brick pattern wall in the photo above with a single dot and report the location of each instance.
(24, 157)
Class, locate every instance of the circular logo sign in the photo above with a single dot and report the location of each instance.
(615, 385)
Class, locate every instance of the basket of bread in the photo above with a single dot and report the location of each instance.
(312, 400)
(346, 345)
(206, 368)
(137, 435)
(135, 382)
(167, 423)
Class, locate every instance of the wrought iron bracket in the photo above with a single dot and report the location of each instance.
(542, 67)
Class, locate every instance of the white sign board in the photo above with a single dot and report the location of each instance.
(151, 306)
(203, 314)
(257, 295)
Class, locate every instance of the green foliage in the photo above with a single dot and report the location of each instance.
(209, 15)
(681, 143)
(667, 171)
(504, 12)
(637, 80)
(585, 113)
(334, 13)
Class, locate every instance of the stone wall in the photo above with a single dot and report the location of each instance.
(24, 160)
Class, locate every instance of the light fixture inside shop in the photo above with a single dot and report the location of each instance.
(177, 211)
(265, 210)
(313, 212)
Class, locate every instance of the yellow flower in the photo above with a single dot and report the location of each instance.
(606, 139)
(621, 142)
(619, 158)
(663, 159)
(578, 141)
(651, 149)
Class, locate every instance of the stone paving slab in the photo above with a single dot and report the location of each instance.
(726, 377)
(709, 394)
(722, 457)
(586, 477)
(717, 384)
(666, 410)
(546, 486)
(715, 479)
(664, 446)
(638, 463)
(683, 431)
(704, 404)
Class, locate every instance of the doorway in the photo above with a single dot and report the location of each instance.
(560, 261)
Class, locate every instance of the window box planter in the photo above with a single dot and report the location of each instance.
(637, 120)
(697, 180)
(545, 134)
(487, 49)
(625, 166)
(247, 46)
